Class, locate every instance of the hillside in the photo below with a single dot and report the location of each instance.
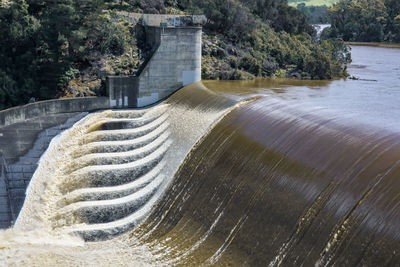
(66, 48)
(328, 3)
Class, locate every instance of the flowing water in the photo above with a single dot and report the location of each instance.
(320, 28)
(254, 173)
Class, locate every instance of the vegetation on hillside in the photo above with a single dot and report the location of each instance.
(315, 14)
(312, 2)
(366, 21)
(59, 48)
(46, 44)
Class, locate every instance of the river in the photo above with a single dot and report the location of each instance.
(373, 99)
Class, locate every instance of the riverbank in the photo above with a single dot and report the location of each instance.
(385, 45)
(370, 99)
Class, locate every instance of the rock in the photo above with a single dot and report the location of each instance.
(295, 75)
(269, 68)
(218, 52)
(221, 52)
(232, 50)
(206, 50)
(360, 79)
(306, 76)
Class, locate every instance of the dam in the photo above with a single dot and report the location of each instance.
(220, 173)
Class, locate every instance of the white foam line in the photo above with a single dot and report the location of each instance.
(80, 174)
(115, 227)
(141, 113)
(126, 114)
(116, 190)
(135, 153)
(131, 142)
(131, 199)
(156, 154)
(132, 122)
(141, 129)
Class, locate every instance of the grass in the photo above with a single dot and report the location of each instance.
(312, 2)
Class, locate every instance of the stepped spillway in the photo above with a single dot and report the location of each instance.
(101, 178)
(106, 177)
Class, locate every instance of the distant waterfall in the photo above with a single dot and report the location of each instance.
(320, 28)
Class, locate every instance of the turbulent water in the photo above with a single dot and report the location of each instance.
(237, 174)
(320, 28)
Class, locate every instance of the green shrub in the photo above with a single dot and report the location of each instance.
(251, 65)
(318, 66)
(68, 76)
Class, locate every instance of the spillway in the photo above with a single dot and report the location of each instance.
(205, 179)
(280, 185)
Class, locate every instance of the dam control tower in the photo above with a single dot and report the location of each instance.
(173, 60)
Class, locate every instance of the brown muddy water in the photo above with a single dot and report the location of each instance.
(259, 173)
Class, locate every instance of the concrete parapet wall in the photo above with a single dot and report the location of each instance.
(21, 113)
(156, 20)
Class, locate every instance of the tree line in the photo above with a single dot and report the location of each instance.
(366, 20)
(315, 14)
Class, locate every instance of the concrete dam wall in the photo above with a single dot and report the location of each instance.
(25, 133)
(175, 61)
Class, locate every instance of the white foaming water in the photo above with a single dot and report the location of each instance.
(320, 28)
(100, 179)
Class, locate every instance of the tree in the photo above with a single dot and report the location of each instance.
(153, 6)
(17, 42)
(44, 44)
(366, 20)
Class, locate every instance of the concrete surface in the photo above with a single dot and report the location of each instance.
(21, 146)
(176, 62)
(42, 108)
(169, 20)
(25, 134)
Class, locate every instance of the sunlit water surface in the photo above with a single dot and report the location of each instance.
(373, 99)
